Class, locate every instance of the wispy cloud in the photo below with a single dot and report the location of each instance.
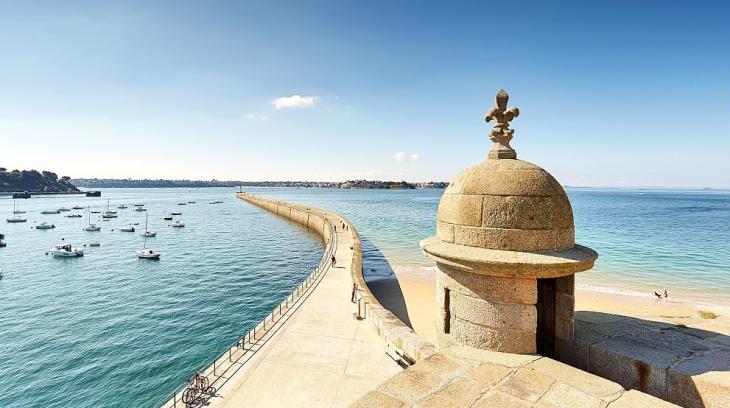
(401, 157)
(260, 118)
(294, 101)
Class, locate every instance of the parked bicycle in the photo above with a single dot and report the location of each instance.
(198, 384)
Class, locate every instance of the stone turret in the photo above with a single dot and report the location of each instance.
(506, 253)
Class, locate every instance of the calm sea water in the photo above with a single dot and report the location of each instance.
(110, 330)
(647, 239)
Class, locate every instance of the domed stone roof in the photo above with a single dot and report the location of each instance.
(505, 216)
(506, 204)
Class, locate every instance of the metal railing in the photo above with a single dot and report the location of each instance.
(229, 361)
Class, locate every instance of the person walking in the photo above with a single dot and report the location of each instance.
(334, 261)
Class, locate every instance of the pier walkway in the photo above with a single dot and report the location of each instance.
(320, 355)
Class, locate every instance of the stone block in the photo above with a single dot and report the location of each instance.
(512, 290)
(509, 360)
(573, 354)
(495, 398)
(583, 381)
(561, 395)
(460, 209)
(495, 315)
(636, 399)
(527, 385)
(375, 399)
(702, 381)
(564, 329)
(508, 341)
(424, 378)
(528, 182)
(524, 212)
(564, 305)
(633, 365)
(462, 392)
(565, 284)
(445, 231)
(514, 239)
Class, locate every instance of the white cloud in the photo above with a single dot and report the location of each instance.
(400, 157)
(294, 101)
(254, 116)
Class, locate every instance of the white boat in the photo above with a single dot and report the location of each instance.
(50, 212)
(140, 209)
(92, 227)
(66, 251)
(146, 253)
(45, 226)
(178, 224)
(127, 229)
(147, 232)
(15, 218)
(108, 213)
(63, 209)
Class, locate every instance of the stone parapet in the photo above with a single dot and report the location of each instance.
(396, 334)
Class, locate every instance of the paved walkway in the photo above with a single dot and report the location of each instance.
(320, 357)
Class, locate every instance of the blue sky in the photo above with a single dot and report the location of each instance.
(613, 94)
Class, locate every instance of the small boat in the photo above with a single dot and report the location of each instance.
(127, 229)
(92, 227)
(95, 244)
(140, 209)
(191, 202)
(147, 232)
(66, 251)
(15, 219)
(18, 212)
(50, 212)
(108, 213)
(138, 205)
(169, 218)
(178, 224)
(146, 253)
(45, 226)
(121, 207)
(181, 203)
(2, 245)
(93, 193)
(95, 212)
(77, 207)
(73, 216)
(64, 209)
(175, 213)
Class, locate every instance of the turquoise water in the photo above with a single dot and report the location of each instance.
(647, 239)
(110, 330)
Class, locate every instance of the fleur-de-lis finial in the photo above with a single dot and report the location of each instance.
(501, 133)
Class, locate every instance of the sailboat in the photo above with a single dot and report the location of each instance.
(145, 253)
(91, 227)
(15, 217)
(148, 233)
(108, 213)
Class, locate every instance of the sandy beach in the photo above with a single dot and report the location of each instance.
(412, 298)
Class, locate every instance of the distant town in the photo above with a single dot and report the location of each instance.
(161, 183)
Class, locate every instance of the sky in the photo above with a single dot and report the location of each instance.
(610, 93)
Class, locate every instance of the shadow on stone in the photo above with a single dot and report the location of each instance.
(382, 281)
(684, 365)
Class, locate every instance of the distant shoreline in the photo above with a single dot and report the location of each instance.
(350, 184)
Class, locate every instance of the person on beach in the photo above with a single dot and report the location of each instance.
(334, 261)
(354, 291)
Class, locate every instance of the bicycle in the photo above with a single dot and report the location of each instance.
(197, 384)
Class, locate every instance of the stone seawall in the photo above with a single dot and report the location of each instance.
(396, 334)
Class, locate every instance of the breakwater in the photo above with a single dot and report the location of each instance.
(232, 359)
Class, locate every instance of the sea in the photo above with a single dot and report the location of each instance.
(111, 330)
